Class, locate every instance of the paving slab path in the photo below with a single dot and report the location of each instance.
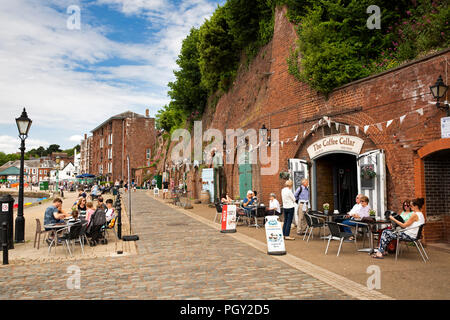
(178, 258)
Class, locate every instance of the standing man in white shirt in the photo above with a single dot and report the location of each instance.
(287, 196)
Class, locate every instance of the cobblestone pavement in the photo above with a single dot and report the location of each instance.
(197, 263)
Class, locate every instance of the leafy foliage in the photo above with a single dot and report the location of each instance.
(336, 47)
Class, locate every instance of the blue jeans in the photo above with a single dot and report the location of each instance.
(288, 216)
(348, 222)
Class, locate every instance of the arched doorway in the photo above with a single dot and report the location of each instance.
(337, 182)
(432, 182)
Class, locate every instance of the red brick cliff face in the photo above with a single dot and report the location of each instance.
(265, 93)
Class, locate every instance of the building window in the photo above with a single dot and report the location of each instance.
(101, 143)
(148, 154)
(110, 138)
(110, 167)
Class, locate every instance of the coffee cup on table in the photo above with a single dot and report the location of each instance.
(336, 211)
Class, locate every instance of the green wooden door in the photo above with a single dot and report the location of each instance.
(245, 179)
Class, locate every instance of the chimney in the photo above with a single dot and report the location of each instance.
(147, 113)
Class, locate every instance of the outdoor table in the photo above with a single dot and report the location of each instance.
(55, 227)
(369, 224)
(254, 208)
(328, 218)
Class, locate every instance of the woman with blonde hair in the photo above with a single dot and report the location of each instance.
(287, 196)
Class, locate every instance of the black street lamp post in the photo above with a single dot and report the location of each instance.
(23, 124)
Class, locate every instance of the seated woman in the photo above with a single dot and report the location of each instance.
(362, 213)
(413, 223)
(90, 211)
(226, 199)
(81, 205)
(274, 205)
(248, 202)
(407, 211)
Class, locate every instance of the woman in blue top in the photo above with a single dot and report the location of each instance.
(248, 202)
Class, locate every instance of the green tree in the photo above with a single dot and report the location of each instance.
(53, 148)
(218, 53)
(186, 92)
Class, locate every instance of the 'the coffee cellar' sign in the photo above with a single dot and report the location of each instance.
(336, 143)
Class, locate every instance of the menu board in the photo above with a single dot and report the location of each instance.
(228, 219)
(274, 236)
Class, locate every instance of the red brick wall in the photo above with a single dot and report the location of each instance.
(131, 136)
(282, 102)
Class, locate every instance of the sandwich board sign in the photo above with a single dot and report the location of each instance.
(156, 191)
(274, 236)
(228, 219)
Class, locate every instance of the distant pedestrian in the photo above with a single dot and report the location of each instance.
(288, 199)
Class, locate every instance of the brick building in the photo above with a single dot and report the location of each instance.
(123, 135)
(85, 154)
(385, 125)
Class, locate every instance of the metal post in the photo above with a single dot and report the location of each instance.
(129, 192)
(20, 219)
(5, 242)
(119, 219)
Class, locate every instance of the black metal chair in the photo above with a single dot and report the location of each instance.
(312, 222)
(337, 234)
(73, 233)
(218, 211)
(416, 241)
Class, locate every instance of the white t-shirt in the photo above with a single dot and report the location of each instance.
(109, 214)
(274, 205)
(413, 232)
(356, 208)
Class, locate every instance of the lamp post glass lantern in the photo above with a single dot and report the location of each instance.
(23, 125)
(439, 91)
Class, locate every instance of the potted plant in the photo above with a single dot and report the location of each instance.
(284, 175)
(368, 172)
(372, 213)
(326, 207)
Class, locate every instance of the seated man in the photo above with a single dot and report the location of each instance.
(353, 211)
(110, 210)
(54, 214)
(274, 205)
(362, 213)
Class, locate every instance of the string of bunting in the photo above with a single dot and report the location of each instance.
(380, 126)
(328, 121)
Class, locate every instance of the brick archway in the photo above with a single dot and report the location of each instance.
(419, 176)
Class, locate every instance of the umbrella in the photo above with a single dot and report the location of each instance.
(85, 175)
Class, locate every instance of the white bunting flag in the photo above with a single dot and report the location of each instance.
(379, 126)
(366, 128)
(357, 130)
(296, 138)
(347, 129)
(420, 111)
(282, 143)
(288, 140)
(337, 126)
(389, 123)
(402, 118)
(304, 133)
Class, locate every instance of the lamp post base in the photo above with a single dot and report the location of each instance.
(19, 236)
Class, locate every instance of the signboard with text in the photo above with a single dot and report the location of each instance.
(445, 127)
(336, 143)
(274, 236)
(228, 219)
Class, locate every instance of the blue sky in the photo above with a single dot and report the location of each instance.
(71, 80)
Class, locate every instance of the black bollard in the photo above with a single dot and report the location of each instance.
(5, 242)
(119, 220)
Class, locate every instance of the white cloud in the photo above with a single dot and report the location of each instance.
(40, 56)
(76, 138)
(10, 144)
